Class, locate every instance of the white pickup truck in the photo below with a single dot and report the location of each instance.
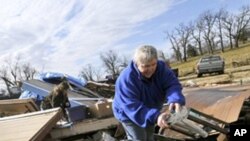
(210, 64)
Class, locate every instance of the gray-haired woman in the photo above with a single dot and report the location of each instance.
(140, 92)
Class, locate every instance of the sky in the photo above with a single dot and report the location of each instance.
(66, 35)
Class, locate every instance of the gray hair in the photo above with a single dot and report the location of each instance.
(145, 54)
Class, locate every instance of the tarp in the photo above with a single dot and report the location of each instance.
(55, 77)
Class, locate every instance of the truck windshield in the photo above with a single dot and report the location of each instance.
(212, 58)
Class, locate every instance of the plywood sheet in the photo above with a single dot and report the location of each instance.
(86, 126)
(225, 106)
(17, 106)
(222, 103)
(228, 109)
(29, 127)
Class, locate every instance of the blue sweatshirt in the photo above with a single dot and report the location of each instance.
(140, 100)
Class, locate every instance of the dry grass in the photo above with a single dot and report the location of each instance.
(240, 55)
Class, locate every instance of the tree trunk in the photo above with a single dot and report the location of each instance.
(185, 54)
(231, 42)
(236, 42)
(200, 48)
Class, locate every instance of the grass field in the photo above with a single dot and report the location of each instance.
(239, 55)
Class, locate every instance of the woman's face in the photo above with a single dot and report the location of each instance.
(147, 69)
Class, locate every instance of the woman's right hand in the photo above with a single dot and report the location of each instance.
(161, 120)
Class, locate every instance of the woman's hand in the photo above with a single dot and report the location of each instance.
(161, 120)
(176, 107)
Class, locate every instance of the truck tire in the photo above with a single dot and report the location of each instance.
(199, 74)
(221, 72)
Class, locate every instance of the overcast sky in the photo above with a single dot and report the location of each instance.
(64, 35)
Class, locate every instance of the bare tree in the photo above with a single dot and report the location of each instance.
(13, 71)
(112, 63)
(161, 56)
(184, 33)
(4, 75)
(124, 62)
(175, 46)
(98, 74)
(14, 68)
(219, 16)
(196, 31)
(208, 20)
(88, 73)
(227, 24)
(28, 72)
(240, 23)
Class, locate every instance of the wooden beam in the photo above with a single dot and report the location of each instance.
(17, 106)
(32, 126)
(29, 114)
(83, 127)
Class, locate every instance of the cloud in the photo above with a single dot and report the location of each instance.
(57, 35)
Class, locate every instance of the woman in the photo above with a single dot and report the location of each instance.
(140, 92)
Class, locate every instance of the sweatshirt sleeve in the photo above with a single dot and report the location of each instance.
(132, 106)
(172, 87)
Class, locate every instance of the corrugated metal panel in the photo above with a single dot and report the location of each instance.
(29, 127)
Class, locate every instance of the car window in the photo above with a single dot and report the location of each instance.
(215, 58)
(205, 60)
(212, 58)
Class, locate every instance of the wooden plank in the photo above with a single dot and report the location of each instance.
(224, 104)
(237, 106)
(17, 106)
(83, 127)
(228, 109)
(28, 115)
(32, 126)
(206, 99)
